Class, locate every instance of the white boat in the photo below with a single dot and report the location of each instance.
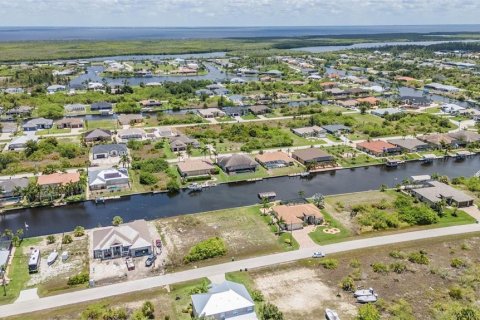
(52, 257)
(367, 299)
(364, 292)
(331, 315)
(304, 174)
(194, 187)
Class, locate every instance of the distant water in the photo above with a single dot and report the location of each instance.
(121, 33)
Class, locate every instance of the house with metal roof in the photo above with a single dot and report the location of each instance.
(110, 179)
(195, 168)
(336, 128)
(228, 300)
(310, 132)
(97, 106)
(434, 192)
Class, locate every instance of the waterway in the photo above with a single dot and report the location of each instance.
(46, 220)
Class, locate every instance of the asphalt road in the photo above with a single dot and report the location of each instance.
(153, 282)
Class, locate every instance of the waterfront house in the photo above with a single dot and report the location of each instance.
(259, 109)
(237, 163)
(433, 192)
(71, 123)
(310, 132)
(228, 300)
(452, 108)
(410, 144)
(210, 113)
(128, 239)
(131, 134)
(336, 128)
(195, 168)
(438, 140)
(104, 151)
(275, 159)
(19, 143)
(10, 188)
(99, 106)
(37, 124)
(378, 148)
(463, 138)
(128, 119)
(108, 179)
(58, 179)
(56, 88)
(150, 103)
(5, 252)
(441, 87)
(75, 108)
(412, 102)
(313, 157)
(98, 135)
(294, 216)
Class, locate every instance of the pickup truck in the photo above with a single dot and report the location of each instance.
(130, 264)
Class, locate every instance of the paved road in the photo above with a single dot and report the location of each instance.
(153, 282)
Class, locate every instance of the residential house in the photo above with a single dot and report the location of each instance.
(410, 144)
(37, 124)
(58, 179)
(9, 188)
(348, 103)
(104, 151)
(20, 111)
(386, 111)
(195, 168)
(108, 179)
(20, 142)
(328, 85)
(273, 73)
(259, 109)
(310, 132)
(128, 119)
(211, 113)
(8, 127)
(235, 111)
(99, 106)
(150, 103)
(228, 300)
(336, 128)
(295, 216)
(75, 108)
(438, 140)
(56, 88)
(378, 148)
(181, 142)
(464, 137)
(433, 192)
(336, 92)
(72, 123)
(412, 102)
(5, 252)
(313, 157)
(131, 134)
(452, 108)
(276, 159)
(128, 239)
(237, 163)
(372, 101)
(441, 87)
(98, 135)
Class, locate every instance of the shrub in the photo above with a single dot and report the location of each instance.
(117, 220)
(257, 296)
(396, 254)
(329, 264)
(368, 312)
(173, 186)
(148, 310)
(50, 239)
(379, 267)
(78, 279)
(210, 248)
(457, 263)
(201, 288)
(455, 293)
(270, 311)
(398, 267)
(355, 263)
(67, 239)
(418, 257)
(347, 284)
(79, 231)
(147, 178)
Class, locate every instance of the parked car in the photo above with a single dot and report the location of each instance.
(150, 260)
(363, 292)
(318, 254)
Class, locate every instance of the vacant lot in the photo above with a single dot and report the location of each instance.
(244, 231)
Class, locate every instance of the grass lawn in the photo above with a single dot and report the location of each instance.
(349, 157)
(52, 131)
(18, 271)
(321, 237)
(228, 147)
(300, 141)
(180, 294)
(101, 124)
(260, 173)
(224, 119)
(249, 116)
(433, 110)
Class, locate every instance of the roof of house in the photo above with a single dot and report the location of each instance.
(308, 130)
(221, 298)
(385, 111)
(131, 132)
(127, 118)
(409, 144)
(190, 165)
(210, 111)
(38, 121)
(273, 156)
(464, 135)
(70, 121)
(378, 146)
(437, 190)
(100, 177)
(101, 105)
(107, 148)
(370, 100)
(23, 139)
(98, 133)
(58, 178)
(311, 154)
(258, 108)
(10, 184)
(333, 128)
(295, 213)
(437, 138)
(134, 234)
(236, 160)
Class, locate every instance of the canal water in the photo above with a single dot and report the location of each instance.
(46, 220)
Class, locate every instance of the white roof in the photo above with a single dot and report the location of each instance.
(224, 302)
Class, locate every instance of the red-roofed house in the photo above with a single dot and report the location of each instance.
(378, 147)
(58, 179)
(369, 100)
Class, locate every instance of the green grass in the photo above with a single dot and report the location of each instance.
(249, 116)
(224, 119)
(18, 271)
(433, 110)
(300, 141)
(320, 237)
(449, 220)
(260, 173)
(101, 124)
(293, 245)
(52, 131)
(181, 293)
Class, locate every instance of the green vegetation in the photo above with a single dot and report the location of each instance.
(206, 249)
(329, 263)
(77, 279)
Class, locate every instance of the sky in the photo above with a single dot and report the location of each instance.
(188, 13)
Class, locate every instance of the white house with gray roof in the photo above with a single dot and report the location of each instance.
(37, 124)
(108, 179)
(103, 151)
(20, 142)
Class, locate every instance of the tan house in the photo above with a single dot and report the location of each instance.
(294, 217)
(126, 119)
(272, 160)
(71, 123)
(194, 168)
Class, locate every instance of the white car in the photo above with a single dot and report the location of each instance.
(318, 254)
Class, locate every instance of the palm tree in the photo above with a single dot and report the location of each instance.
(125, 160)
(204, 151)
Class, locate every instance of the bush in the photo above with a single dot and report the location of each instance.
(50, 239)
(270, 311)
(257, 296)
(147, 178)
(368, 312)
(455, 293)
(148, 310)
(67, 239)
(78, 279)
(398, 267)
(207, 249)
(79, 231)
(355, 263)
(457, 263)
(418, 257)
(117, 220)
(330, 264)
(396, 254)
(173, 186)
(379, 267)
(347, 284)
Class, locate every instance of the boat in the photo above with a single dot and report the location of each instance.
(194, 187)
(304, 174)
(367, 299)
(99, 200)
(331, 315)
(392, 163)
(267, 195)
(363, 292)
(52, 257)
(428, 158)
